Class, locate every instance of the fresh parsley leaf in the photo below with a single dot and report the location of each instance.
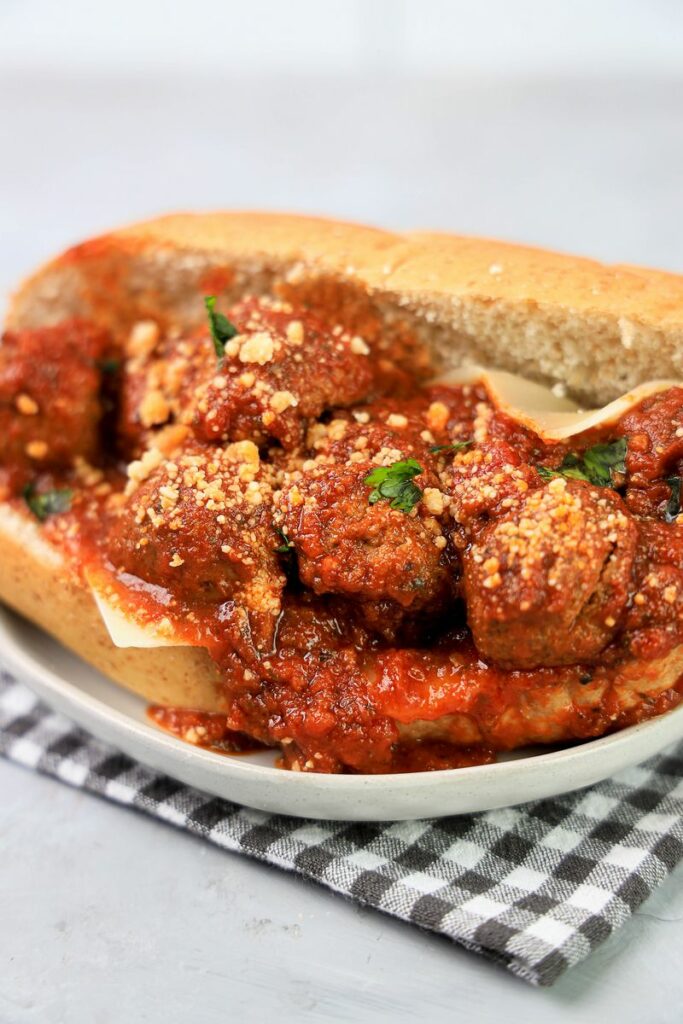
(395, 484)
(48, 503)
(287, 553)
(673, 505)
(570, 467)
(454, 446)
(109, 365)
(221, 328)
(602, 461)
(598, 465)
(286, 548)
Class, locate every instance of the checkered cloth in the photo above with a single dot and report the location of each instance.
(535, 888)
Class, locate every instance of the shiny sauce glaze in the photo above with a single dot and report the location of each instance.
(203, 728)
(390, 575)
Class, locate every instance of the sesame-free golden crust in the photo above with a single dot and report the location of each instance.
(599, 330)
(424, 262)
(414, 262)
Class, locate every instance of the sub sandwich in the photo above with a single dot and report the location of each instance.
(379, 502)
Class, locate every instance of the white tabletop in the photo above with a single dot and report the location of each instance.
(108, 916)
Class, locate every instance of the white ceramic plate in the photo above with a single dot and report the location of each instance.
(118, 717)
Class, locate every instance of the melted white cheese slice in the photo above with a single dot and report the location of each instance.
(125, 631)
(551, 416)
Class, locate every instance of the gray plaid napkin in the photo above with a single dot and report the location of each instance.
(535, 888)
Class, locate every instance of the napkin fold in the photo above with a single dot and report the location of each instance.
(535, 888)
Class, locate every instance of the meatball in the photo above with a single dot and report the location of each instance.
(547, 583)
(655, 437)
(389, 425)
(158, 383)
(484, 480)
(283, 368)
(199, 524)
(50, 406)
(652, 626)
(369, 552)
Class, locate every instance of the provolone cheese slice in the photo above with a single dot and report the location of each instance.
(125, 631)
(551, 416)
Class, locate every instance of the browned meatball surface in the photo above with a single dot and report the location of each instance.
(396, 427)
(655, 437)
(283, 368)
(160, 377)
(547, 583)
(347, 546)
(199, 524)
(484, 480)
(50, 406)
(393, 561)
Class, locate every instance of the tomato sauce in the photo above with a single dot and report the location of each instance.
(203, 729)
(485, 590)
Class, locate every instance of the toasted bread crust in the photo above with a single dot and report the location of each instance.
(37, 582)
(420, 263)
(598, 329)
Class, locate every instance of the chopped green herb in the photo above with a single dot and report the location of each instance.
(48, 503)
(603, 461)
(109, 365)
(570, 467)
(598, 465)
(673, 505)
(287, 553)
(395, 484)
(286, 547)
(454, 446)
(221, 328)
